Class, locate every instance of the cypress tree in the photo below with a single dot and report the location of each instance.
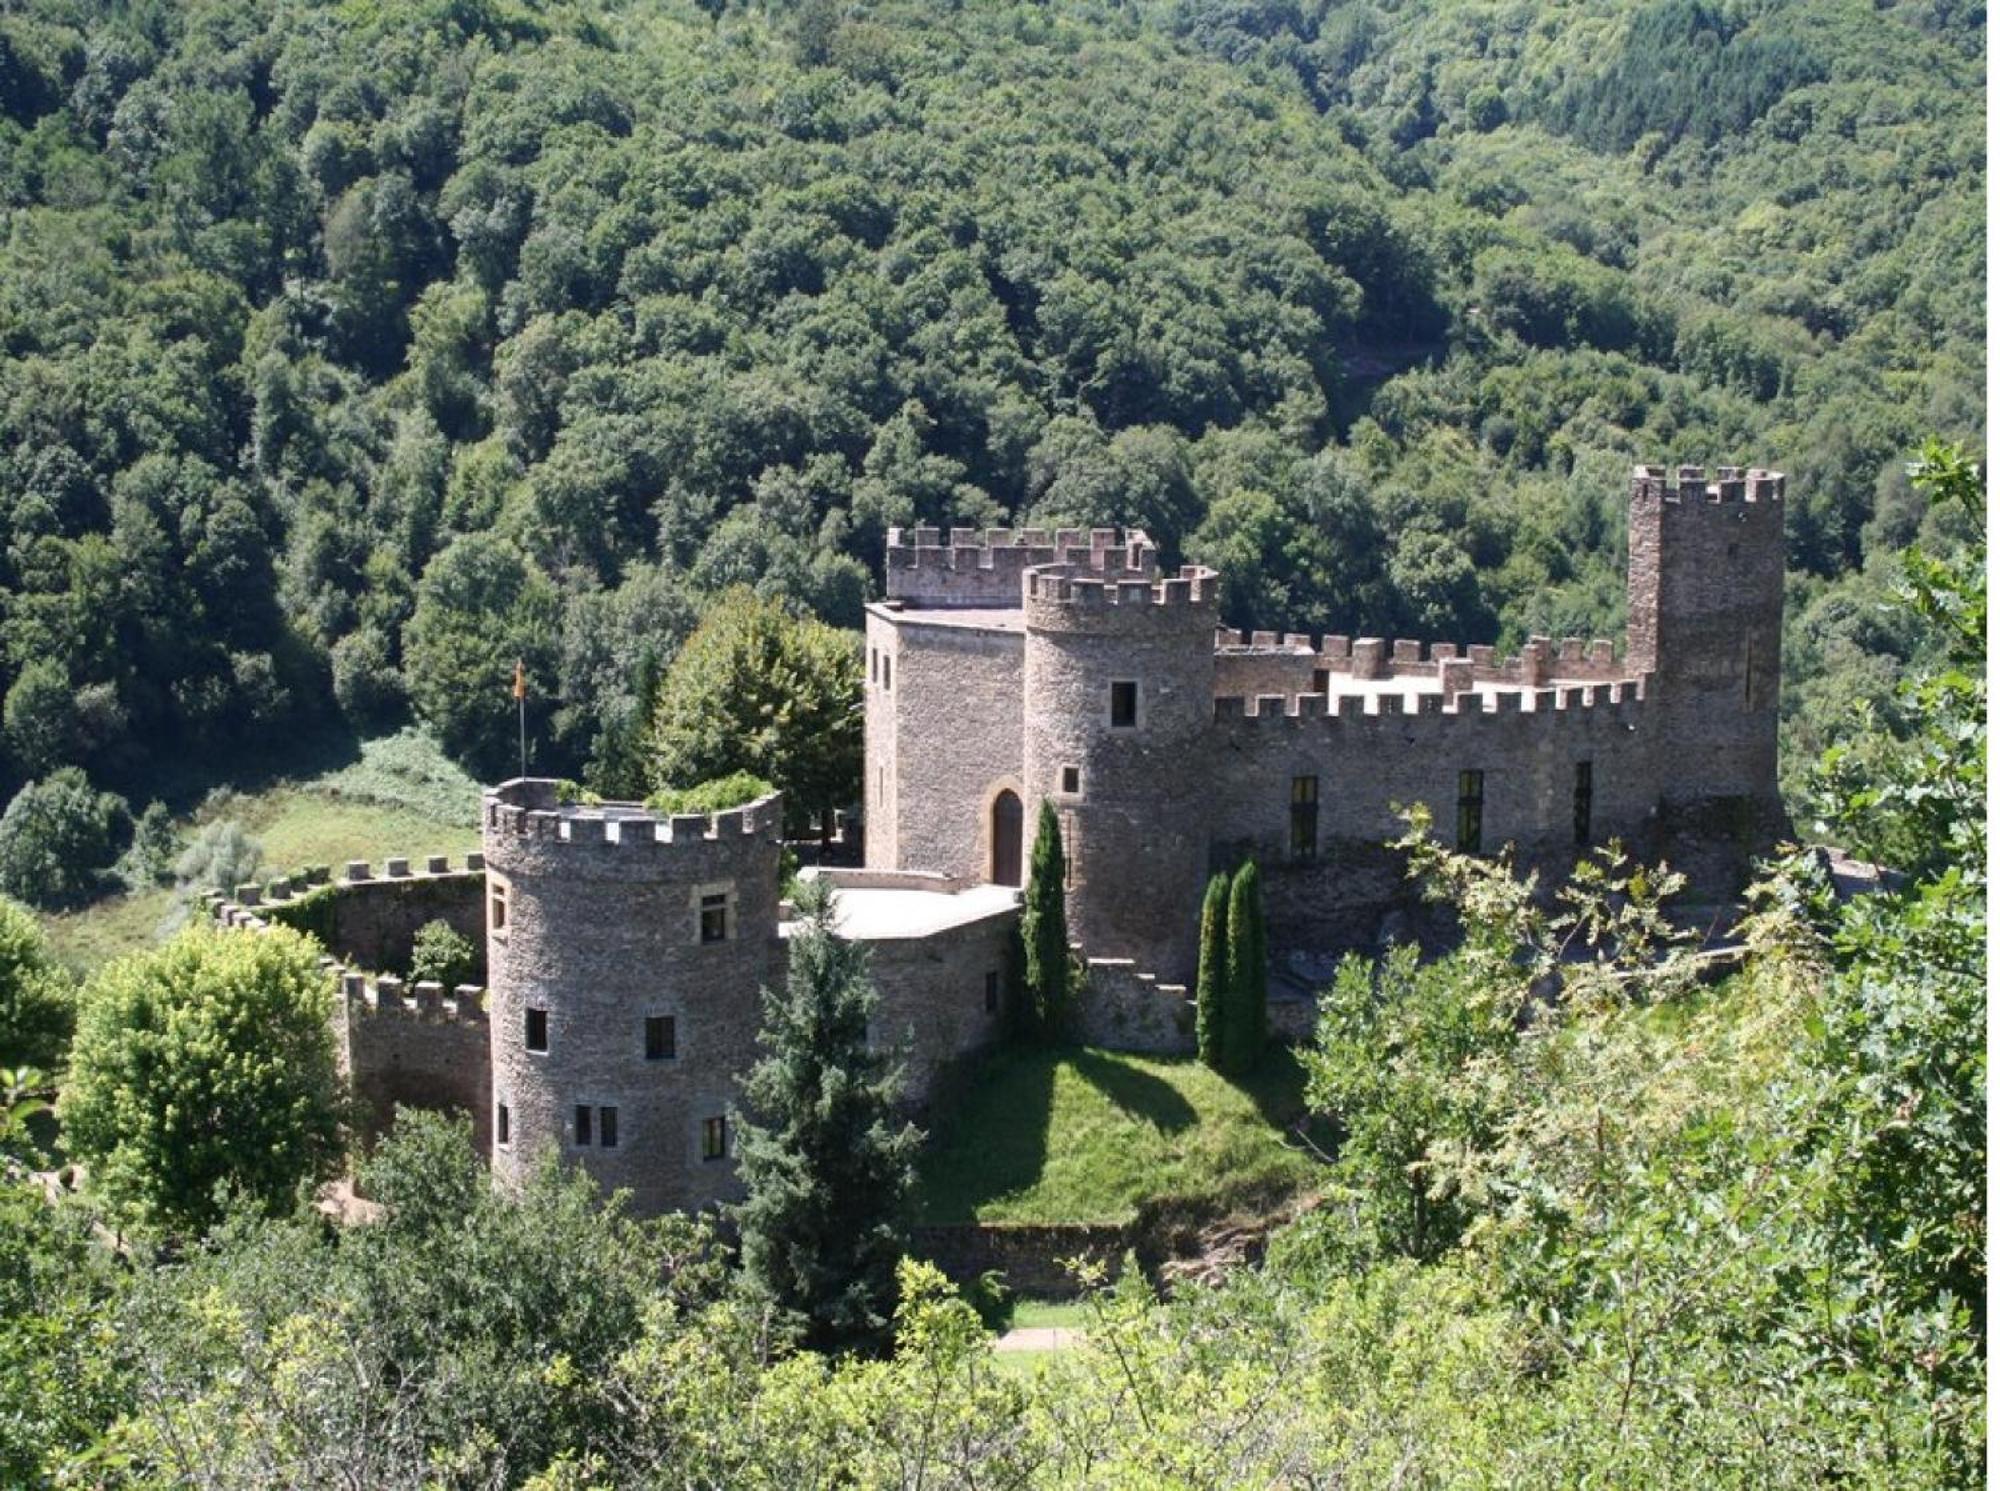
(1211, 985)
(1243, 1025)
(827, 1163)
(1045, 929)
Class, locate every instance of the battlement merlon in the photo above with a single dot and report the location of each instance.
(532, 808)
(1569, 701)
(1691, 486)
(985, 567)
(1065, 585)
(388, 997)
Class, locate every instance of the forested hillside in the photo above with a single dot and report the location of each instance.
(348, 352)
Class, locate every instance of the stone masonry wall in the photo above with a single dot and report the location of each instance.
(375, 917)
(955, 702)
(933, 996)
(417, 1046)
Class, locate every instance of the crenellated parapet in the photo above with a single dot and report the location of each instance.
(1692, 486)
(986, 567)
(1468, 709)
(1059, 598)
(383, 997)
(527, 816)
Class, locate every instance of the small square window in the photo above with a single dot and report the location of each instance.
(992, 992)
(607, 1128)
(583, 1125)
(715, 916)
(538, 1030)
(1072, 778)
(503, 1128)
(660, 1044)
(1124, 704)
(714, 1138)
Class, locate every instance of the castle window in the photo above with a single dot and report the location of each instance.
(503, 1129)
(714, 915)
(1471, 810)
(607, 1128)
(886, 685)
(874, 666)
(1305, 818)
(1322, 678)
(659, 1037)
(992, 992)
(583, 1125)
(1580, 804)
(1072, 778)
(1124, 704)
(538, 1030)
(498, 902)
(714, 1138)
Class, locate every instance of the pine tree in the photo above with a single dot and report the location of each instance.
(1244, 1023)
(1211, 986)
(825, 1159)
(1045, 930)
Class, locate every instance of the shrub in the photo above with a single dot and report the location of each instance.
(57, 837)
(155, 846)
(715, 796)
(1211, 988)
(441, 955)
(221, 857)
(1244, 1024)
(1046, 970)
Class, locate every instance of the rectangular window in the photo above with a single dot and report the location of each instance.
(659, 1037)
(1305, 818)
(583, 1125)
(607, 1128)
(1471, 810)
(992, 993)
(1322, 677)
(874, 666)
(1072, 778)
(1580, 804)
(886, 685)
(538, 1030)
(1124, 704)
(499, 902)
(503, 1129)
(715, 916)
(714, 1138)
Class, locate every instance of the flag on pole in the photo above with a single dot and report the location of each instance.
(520, 679)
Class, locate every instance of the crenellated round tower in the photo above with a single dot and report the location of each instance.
(625, 951)
(1118, 684)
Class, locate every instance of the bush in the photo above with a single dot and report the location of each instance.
(716, 796)
(150, 858)
(57, 837)
(439, 954)
(204, 1068)
(221, 857)
(366, 682)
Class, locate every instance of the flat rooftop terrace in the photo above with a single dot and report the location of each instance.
(888, 914)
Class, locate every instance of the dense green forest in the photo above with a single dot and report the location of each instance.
(350, 352)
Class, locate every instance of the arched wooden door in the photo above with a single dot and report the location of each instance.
(1005, 839)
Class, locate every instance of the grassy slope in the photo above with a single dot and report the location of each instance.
(399, 798)
(1087, 1136)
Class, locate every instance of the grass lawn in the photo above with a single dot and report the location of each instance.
(1049, 1314)
(399, 798)
(1077, 1135)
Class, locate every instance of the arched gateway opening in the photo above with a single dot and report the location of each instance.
(1005, 839)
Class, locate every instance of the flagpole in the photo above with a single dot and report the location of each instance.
(521, 703)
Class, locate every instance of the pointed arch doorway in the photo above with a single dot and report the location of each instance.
(1004, 838)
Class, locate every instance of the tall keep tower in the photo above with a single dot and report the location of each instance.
(1119, 684)
(1706, 598)
(624, 955)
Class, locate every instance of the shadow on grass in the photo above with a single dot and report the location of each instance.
(1139, 1094)
(1277, 1085)
(992, 1138)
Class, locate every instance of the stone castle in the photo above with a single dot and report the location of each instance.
(1006, 669)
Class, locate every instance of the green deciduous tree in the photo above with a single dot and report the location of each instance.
(1211, 985)
(825, 1158)
(57, 838)
(1244, 1024)
(1046, 972)
(759, 690)
(439, 954)
(37, 1002)
(203, 1068)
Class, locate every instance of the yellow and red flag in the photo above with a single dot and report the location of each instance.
(520, 679)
